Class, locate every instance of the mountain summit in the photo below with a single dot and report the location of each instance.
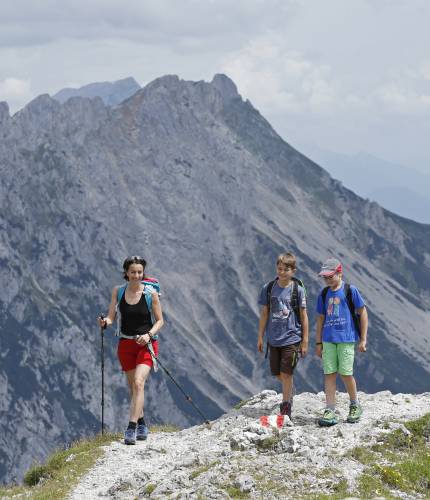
(193, 178)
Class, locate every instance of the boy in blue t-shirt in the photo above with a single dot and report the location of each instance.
(336, 337)
(287, 334)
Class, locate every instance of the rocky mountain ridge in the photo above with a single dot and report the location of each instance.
(237, 455)
(111, 93)
(194, 178)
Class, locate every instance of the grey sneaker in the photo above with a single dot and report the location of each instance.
(130, 436)
(355, 412)
(142, 432)
(328, 419)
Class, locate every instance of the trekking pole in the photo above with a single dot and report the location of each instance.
(102, 329)
(187, 397)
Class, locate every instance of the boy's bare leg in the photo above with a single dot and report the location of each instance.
(350, 386)
(287, 385)
(330, 389)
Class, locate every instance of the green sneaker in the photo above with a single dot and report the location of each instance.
(355, 412)
(328, 419)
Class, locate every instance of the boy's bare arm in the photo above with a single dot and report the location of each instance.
(264, 316)
(305, 331)
(318, 341)
(364, 323)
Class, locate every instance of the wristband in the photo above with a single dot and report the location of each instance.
(318, 343)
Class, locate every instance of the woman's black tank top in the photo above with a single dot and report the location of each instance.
(135, 319)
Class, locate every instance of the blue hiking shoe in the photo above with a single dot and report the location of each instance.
(130, 436)
(142, 432)
(328, 419)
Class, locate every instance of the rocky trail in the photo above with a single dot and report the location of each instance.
(238, 457)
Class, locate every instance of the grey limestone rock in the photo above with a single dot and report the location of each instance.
(304, 454)
(194, 178)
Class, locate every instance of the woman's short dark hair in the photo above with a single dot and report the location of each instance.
(134, 259)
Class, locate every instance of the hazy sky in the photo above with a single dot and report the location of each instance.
(345, 75)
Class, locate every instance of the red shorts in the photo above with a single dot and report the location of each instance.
(131, 354)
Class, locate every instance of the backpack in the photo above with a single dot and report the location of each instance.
(294, 295)
(294, 299)
(349, 301)
(151, 285)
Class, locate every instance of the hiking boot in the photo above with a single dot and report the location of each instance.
(142, 432)
(285, 408)
(328, 419)
(130, 436)
(355, 412)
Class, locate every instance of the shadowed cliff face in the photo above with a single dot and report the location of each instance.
(195, 179)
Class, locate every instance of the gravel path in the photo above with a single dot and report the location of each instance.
(237, 454)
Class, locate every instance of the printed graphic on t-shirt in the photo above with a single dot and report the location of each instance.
(279, 309)
(333, 318)
(333, 306)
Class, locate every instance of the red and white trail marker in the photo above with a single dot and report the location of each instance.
(278, 421)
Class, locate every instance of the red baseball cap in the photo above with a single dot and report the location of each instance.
(330, 267)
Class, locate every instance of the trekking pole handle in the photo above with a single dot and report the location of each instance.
(102, 317)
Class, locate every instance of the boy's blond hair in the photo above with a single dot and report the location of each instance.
(288, 259)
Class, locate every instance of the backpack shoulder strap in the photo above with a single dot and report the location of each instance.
(295, 298)
(269, 289)
(348, 296)
(324, 295)
(120, 293)
(351, 306)
(299, 282)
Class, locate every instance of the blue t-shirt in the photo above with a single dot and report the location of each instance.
(282, 328)
(338, 324)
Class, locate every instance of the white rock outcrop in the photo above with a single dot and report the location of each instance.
(237, 454)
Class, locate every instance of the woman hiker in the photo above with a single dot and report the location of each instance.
(141, 319)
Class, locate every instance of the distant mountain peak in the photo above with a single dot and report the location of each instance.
(112, 93)
(225, 86)
(40, 104)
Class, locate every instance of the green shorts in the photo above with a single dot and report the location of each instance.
(338, 358)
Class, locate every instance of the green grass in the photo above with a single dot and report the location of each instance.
(241, 403)
(399, 461)
(203, 469)
(234, 491)
(269, 443)
(363, 455)
(164, 428)
(149, 489)
(62, 471)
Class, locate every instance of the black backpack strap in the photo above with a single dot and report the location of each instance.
(351, 306)
(295, 299)
(269, 289)
(323, 296)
